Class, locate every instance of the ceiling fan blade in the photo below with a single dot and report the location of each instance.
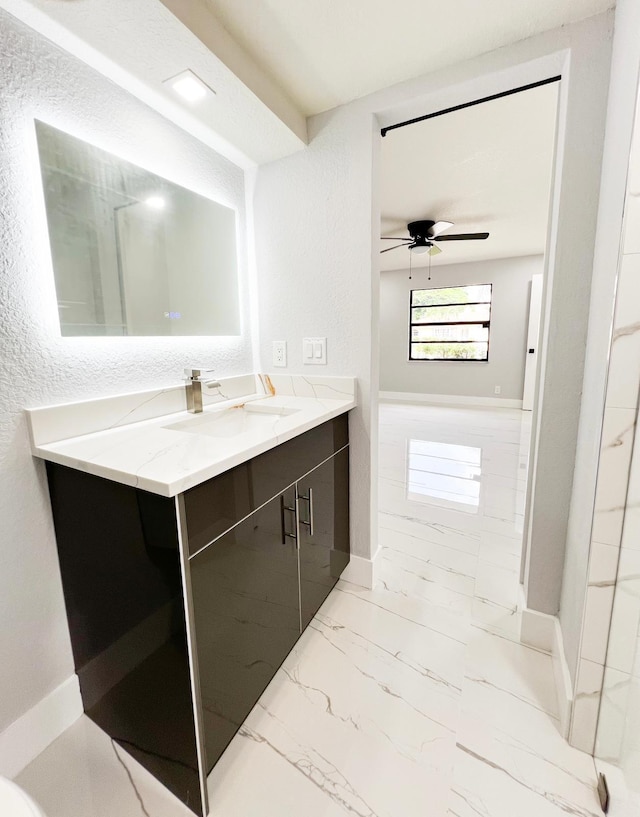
(435, 250)
(395, 238)
(396, 247)
(439, 227)
(462, 237)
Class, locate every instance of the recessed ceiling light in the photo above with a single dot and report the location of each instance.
(155, 202)
(189, 86)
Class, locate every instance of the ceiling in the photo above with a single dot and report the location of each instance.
(273, 62)
(324, 53)
(486, 168)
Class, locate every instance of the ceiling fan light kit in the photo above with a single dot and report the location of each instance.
(423, 233)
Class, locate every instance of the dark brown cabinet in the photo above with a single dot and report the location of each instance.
(182, 609)
(323, 506)
(257, 586)
(246, 618)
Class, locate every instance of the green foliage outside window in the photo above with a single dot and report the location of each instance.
(450, 323)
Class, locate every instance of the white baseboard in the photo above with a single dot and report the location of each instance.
(25, 738)
(543, 632)
(362, 571)
(447, 399)
(537, 630)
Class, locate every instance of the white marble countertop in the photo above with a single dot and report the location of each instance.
(155, 455)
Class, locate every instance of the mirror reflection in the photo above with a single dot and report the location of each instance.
(134, 254)
(444, 474)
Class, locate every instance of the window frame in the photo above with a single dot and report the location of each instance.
(485, 324)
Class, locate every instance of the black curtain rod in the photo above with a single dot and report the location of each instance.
(383, 131)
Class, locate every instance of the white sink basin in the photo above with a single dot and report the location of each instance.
(245, 419)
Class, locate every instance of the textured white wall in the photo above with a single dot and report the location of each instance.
(37, 366)
(314, 271)
(511, 279)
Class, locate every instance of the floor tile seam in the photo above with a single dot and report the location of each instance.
(308, 753)
(401, 616)
(451, 700)
(563, 804)
(475, 579)
(511, 610)
(532, 703)
(367, 717)
(432, 563)
(429, 541)
(437, 583)
(478, 625)
(438, 561)
(510, 739)
(564, 768)
(440, 544)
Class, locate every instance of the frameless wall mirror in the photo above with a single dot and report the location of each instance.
(134, 254)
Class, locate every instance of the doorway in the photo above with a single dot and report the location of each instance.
(457, 322)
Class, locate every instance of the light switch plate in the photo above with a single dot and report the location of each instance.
(279, 353)
(314, 351)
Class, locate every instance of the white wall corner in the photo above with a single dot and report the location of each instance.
(448, 399)
(362, 571)
(26, 737)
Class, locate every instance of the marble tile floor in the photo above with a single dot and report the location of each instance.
(414, 699)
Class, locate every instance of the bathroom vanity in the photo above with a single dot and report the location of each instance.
(185, 590)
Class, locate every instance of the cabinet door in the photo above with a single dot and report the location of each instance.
(323, 502)
(246, 615)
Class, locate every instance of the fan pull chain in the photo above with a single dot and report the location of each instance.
(410, 259)
(429, 266)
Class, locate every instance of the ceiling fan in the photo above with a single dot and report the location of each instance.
(424, 233)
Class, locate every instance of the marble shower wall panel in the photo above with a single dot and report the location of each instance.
(602, 576)
(624, 364)
(612, 608)
(586, 705)
(630, 752)
(626, 613)
(616, 741)
(613, 473)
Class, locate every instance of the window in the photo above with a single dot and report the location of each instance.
(451, 323)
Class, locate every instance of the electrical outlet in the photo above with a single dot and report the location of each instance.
(497, 389)
(279, 352)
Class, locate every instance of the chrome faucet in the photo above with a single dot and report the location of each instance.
(196, 379)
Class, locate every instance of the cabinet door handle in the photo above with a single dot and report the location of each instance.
(309, 499)
(297, 519)
(285, 534)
